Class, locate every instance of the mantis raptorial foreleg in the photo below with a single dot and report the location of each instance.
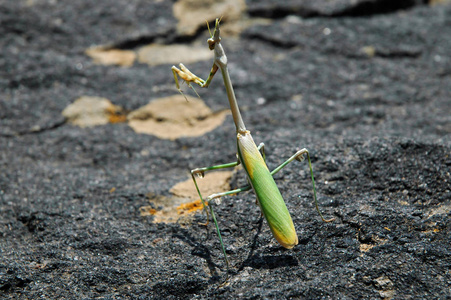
(189, 77)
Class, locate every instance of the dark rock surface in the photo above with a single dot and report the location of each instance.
(366, 91)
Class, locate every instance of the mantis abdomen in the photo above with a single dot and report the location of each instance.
(268, 195)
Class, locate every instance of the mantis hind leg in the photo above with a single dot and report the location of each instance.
(200, 172)
(299, 156)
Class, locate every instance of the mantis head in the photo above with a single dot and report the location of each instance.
(214, 38)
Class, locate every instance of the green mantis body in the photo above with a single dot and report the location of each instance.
(268, 195)
(250, 156)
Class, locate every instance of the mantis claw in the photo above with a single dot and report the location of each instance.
(328, 221)
(216, 197)
(300, 157)
(198, 172)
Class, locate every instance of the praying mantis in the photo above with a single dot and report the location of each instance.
(249, 155)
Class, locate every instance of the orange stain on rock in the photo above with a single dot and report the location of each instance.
(187, 208)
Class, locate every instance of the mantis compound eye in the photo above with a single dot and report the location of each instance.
(211, 43)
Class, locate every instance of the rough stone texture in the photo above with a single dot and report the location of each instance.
(367, 93)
